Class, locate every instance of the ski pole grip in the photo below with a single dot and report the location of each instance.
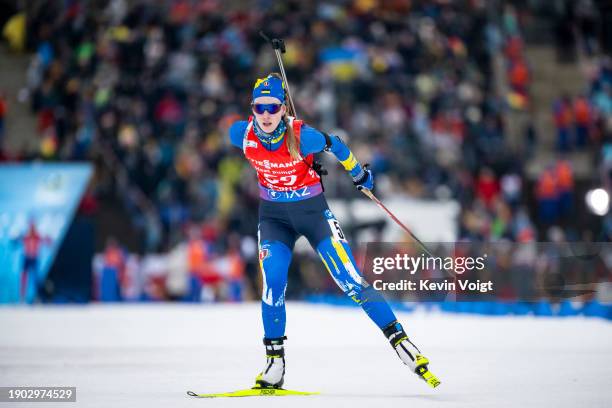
(278, 44)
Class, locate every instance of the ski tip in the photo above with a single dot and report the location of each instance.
(192, 394)
(431, 380)
(428, 377)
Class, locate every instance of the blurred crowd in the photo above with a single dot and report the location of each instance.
(583, 123)
(192, 271)
(586, 120)
(525, 271)
(147, 90)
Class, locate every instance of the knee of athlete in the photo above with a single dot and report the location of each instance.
(274, 259)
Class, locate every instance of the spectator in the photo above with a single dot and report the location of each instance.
(198, 255)
(563, 117)
(487, 188)
(511, 187)
(583, 120)
(547, 194)
(112, 272)
(565, 186)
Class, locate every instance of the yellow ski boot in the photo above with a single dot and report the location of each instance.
(409, 353)
(273, 374)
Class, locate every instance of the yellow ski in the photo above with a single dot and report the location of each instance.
(428, 376)
(253, 392)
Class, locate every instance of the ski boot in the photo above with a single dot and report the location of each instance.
(273, 374)
(409, 353)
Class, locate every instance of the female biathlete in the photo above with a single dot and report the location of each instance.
(281, 148)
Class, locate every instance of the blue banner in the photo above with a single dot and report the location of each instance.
(37, 204)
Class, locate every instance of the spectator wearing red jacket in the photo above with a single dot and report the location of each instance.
(582, 120)
(565, 185)
(563, 117)
(487, 187)
(547, 194)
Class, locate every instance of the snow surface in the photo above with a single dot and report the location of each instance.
(150, 355)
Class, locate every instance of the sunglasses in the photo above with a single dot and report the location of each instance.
(260, 108)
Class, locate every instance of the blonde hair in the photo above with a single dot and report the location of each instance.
(292, 144)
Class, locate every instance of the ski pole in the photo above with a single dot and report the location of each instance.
(372, 197)
(367, 192)
(279, 47)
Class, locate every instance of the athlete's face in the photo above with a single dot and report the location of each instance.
(268, 121)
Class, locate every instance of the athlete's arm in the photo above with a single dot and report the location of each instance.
(313, 141)
(236, 132)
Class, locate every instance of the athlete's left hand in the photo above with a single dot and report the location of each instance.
(366, 180)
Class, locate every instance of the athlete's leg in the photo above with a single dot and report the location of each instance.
(325, 235)
(336, 255)
(274, 260)
(29, 281)
(276, 239)
(317, 223)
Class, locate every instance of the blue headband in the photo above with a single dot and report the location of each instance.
(270, 86)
